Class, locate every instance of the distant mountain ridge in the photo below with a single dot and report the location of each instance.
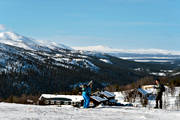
(105, 49)
(139, 55)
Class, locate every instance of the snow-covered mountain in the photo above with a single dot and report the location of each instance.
(14, 46)
(139, 55)
(19, 46)
(14, 39)
(31, 66)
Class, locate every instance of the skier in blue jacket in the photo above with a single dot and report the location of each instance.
(86, 93)
(85, 96)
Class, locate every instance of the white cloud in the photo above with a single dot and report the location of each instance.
(2, 27)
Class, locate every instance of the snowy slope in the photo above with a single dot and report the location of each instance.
(31, 112)
(17, 40)
(13, 46)
(106, 61)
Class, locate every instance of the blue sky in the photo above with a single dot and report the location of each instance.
(125, 24)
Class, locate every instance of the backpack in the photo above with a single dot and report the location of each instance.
(163, 89)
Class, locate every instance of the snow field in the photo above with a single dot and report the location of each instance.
(32, 112)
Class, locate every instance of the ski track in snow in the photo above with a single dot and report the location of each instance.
(32, 112)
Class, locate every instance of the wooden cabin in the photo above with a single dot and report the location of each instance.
(49, 99)
(103, 97)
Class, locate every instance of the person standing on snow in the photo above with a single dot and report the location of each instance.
(86, 93)
(85, 96)
(159, 89)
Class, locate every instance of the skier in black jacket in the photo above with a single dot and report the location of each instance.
(159, 89)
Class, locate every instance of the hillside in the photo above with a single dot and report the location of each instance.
(28, 66)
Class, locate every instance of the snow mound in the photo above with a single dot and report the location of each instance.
(106, 61)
